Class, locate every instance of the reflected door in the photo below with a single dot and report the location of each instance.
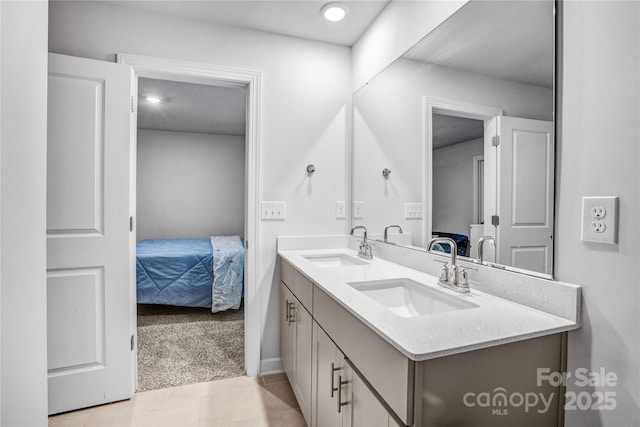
(89, 267)
(524, 199)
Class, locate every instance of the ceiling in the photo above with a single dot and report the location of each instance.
(510, 40)
(297, 18)
(188, 107)
(449, 130)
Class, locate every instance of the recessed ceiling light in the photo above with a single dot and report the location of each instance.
(334, 11)
(152, 99)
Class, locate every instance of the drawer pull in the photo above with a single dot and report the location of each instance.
(340, 402)
(333, 369)
(292, 317)
(286, 310)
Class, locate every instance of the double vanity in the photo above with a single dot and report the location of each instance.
(378, 342)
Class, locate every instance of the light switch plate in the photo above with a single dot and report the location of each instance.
(600, 219)
(357, 210)
(413, 210)
(273, 211)
(341, 210)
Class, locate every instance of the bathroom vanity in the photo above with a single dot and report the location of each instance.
(376, 343)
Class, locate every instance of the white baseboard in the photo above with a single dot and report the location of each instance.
(271, 366)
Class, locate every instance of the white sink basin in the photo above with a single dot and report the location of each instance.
(334, 260)
(408, 298)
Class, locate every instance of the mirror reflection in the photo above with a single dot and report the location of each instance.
(463, 125)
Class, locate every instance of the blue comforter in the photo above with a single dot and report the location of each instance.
(191, 272)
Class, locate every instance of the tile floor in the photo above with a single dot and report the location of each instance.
(244, 401)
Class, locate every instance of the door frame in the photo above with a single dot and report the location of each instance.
(209, 74)
(450, 107)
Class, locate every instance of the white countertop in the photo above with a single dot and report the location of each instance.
(494, 321)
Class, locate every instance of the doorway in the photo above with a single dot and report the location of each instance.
(453, 131)
(190, 231)
(250, 81)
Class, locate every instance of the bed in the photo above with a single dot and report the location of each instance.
(191, 272)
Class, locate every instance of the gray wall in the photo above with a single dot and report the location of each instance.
(23, 165)
(189, 185)
(453, 186)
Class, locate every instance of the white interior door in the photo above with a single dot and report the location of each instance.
(524, 199)
(89, 265)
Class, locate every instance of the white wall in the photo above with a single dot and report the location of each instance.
(23, 115)
(388, 123)
(305, 92)
(398, 27)
(600, 130)
(453, 186)
(189, 185)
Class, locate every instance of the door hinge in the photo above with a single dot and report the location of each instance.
(132, 104)
(246, 244)
(130, 223)
(495, 220)
(132, 342)
(495, 141)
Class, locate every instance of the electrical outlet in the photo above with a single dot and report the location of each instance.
(600, 219)
(357, 210)
(273, 211)
(413, 210)
(341, 210)
(598, 212)
(598, 226)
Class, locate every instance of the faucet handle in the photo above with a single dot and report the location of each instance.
(463, 279)
(444, 273)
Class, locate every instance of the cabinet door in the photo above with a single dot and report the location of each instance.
(364, 409)
(286, 332)
(302, 323)
(327, 363)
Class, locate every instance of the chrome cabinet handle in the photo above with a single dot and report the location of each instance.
(333, 369)
(340, 402)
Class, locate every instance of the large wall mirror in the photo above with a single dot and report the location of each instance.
(456, 137)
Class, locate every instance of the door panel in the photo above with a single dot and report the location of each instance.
(302, 369)
(75, 315)
(325, 357)
(525, 169)
(286, 333)
(75, 194)
(89, 264)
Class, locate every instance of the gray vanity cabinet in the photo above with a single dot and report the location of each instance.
(331, 357)
(341, 397)
(295, 347)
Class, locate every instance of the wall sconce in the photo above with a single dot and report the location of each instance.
(386, 172)
(310, 169)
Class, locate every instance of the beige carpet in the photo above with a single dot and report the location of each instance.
(182, 345)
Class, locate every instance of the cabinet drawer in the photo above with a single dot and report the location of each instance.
(301, 287)
(390, 372)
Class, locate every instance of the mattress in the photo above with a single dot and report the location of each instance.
(191, 272)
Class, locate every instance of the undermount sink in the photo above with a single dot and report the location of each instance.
(334, 260)
(408, 298)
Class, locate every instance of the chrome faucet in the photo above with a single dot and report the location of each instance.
(450, 277)
(365, 249)
(387, 229)
(481, 246)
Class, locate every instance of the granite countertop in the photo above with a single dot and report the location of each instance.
(493, 322)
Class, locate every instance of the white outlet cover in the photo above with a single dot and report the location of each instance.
(600, 219)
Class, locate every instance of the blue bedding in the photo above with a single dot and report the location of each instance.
(191, 272)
